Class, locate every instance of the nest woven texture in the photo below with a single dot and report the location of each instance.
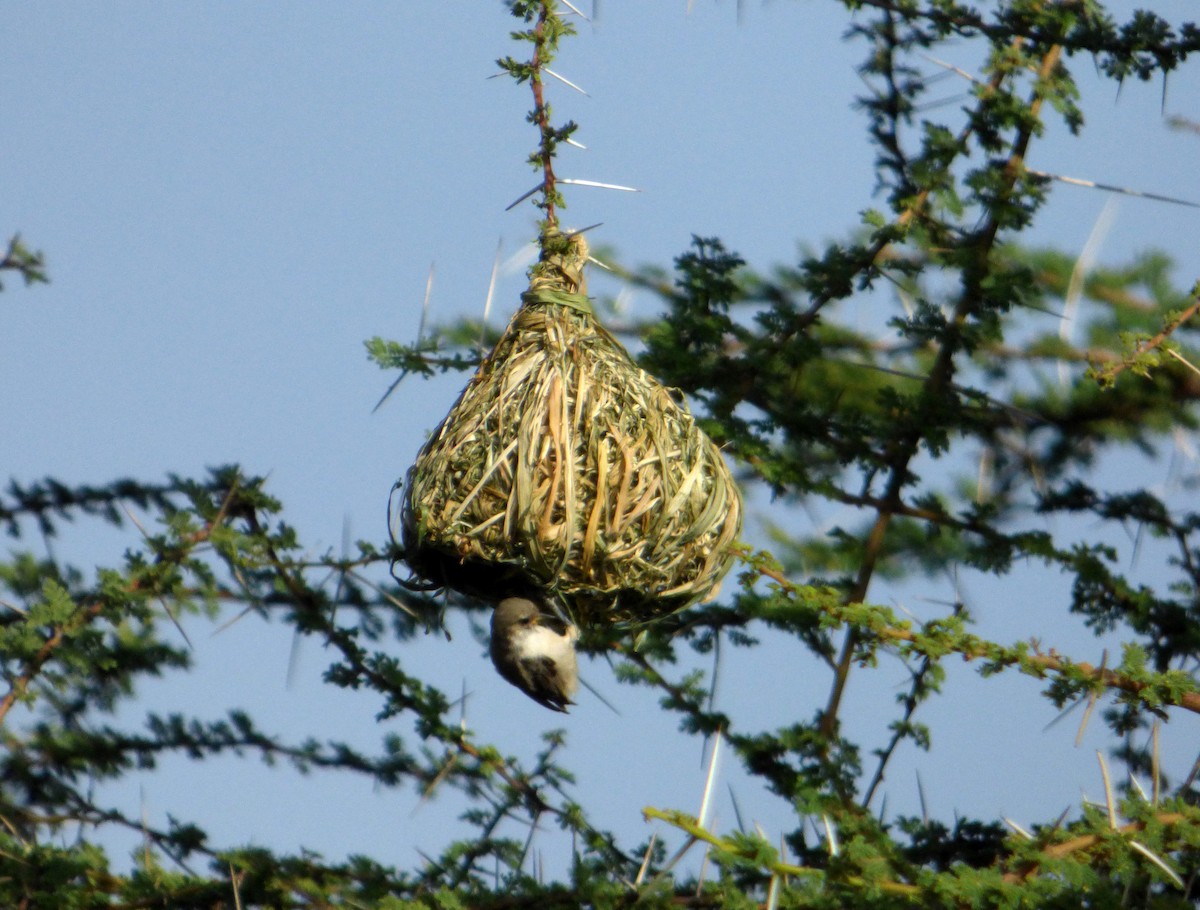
(565, 469)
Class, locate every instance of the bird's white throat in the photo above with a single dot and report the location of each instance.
(543, 642)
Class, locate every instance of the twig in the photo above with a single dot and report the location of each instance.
(1110, 373)
(541, 115)
(973, 648)
(44, 653)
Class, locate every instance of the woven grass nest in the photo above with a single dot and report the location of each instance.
(567, 472)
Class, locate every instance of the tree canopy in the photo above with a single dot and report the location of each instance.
(913, 374)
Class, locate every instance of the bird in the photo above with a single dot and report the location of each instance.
(529, 652)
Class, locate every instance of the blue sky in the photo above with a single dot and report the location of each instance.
(233, 196)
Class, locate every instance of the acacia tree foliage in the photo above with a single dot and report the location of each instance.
(810, 409)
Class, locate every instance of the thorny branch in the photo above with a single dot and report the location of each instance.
(541, 116)
(970, 647)
(1109, 374)
(35, 664)
(905, 447)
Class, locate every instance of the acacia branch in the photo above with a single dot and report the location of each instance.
(541, 117)
(1087, 841)
(972, 647)
(486, 761)
(34, 666)
(1109, 374)
(31, 266)
(772, 865)
(904, 448)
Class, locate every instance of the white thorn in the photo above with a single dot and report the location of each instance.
(1137, 785)
(1109, 802)
(425, 305)
(1021, 831)
(706, 801)
(1109, 188)
(952, 68)
(830, 835)
(564, 80)
(1187, 363)
(1158, 861)
(520, 259)
(603, 186)
(487, 304)
(1083, 265)
(646, 859)
(773, 893)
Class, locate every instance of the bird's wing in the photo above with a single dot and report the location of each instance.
(544, 682)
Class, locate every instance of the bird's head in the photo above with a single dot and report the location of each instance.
(531, 653)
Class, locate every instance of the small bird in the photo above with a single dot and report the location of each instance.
(534, 656)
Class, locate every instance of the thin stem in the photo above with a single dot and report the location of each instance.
(541, 115)
(916, 694)
(544, 34)
(1110, 373)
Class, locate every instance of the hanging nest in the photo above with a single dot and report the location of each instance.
(565, 470)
